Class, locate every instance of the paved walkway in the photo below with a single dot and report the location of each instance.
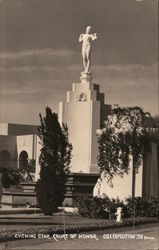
(142, 237)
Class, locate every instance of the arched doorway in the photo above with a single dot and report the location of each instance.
(5, 159)
(23, 160)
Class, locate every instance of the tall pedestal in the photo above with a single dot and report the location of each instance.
(83, 113)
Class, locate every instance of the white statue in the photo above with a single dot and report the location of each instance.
(119, 214)
(86, 40)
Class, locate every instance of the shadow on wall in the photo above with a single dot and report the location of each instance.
(5, 159)
(8, 152)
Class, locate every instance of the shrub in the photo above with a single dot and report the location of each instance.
(10, 177)
(112, 208)
(153, 210)
(94, 207)
(103, 208)
(139, 207)
(136, 206)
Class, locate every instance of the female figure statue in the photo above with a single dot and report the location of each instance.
(86, 40)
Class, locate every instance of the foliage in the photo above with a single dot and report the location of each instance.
(10, 177)
(153, 210)
(112, 208)
(139, 206)
(28, 172)
(94, 207)
(156, 121)
(124, 135)
(152, 122)
(54, 160)
(13, 177)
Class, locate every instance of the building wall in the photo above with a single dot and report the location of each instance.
(26, 143)
(17, 129)
(21, 129)
(9, 144)
(146, 183)
(150, 174)
(14, 145)
(38, 147)
(122, 186)
(95, 124)
(105, 109)
(3, 128)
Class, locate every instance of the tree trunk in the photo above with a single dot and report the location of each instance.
(1, 190)
(133, 179)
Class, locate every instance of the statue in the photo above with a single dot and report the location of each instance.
(119, 214)
(86, 40)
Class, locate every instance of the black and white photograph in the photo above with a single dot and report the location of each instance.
(79, 124)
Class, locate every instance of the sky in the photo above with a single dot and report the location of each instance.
(40, 56)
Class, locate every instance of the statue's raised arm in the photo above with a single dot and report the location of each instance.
(81, 38)
(94, 36)
(86, 40)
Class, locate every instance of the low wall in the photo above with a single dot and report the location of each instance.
(78, 184)
(15, 199)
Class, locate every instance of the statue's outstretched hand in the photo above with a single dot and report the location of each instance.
(95, 36)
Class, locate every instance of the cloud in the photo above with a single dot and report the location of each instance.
(130, 85)
(21, 76)
(31, 80)
(36, 52)
(38, 58)
(35, 72)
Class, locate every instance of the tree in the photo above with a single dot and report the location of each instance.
(54, 160)
(124, 135)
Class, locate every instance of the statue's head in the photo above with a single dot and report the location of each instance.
(88, 29)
